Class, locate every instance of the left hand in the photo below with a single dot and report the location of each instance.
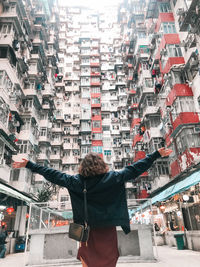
(164, 152)
(21, 164)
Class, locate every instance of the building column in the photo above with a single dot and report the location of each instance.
(20, 220)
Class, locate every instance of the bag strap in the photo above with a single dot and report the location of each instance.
(85, 204)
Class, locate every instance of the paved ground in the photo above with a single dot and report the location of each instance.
(168, 257)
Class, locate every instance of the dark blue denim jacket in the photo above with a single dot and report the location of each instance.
(106, 193)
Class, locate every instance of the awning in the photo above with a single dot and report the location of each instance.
(191, 180)
(14, 193)
(179, 187)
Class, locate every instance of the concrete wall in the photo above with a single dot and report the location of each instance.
(193, 239)
(54, 245)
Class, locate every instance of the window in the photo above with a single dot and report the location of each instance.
(150, 101)
(169, 27)
(27, 124)
(148, 82)
(182, 104)
(97, 136)
(96, 90)
(174, 50)
(96, 100)
(107, 152)
(97, 149)
(155, 143)
(85, 149)
(15, 174)
(23, 146)
(96, 124)
(96, 111)
(43, 131)
(178, 77)
(28, 103)
(64, 198)
(106, 128)
(165, 7)
(6, 28)
(5, 81)
(186, 139)
(95, 80)
(162, 167)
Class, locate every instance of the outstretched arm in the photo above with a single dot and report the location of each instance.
(49, 174)
(139, 167)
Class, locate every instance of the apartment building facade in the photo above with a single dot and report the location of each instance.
(161, 58)
(121, 83)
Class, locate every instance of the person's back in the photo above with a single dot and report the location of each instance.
(106, 201)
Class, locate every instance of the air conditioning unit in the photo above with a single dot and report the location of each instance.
(180, 11)
(197, 129)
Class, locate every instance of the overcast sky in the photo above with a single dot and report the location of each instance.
(97, 4)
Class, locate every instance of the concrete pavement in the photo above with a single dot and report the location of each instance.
(168, 257)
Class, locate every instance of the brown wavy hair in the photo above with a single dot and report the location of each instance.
(92, 165)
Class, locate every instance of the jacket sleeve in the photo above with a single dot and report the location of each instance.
(137, 168)
(53, 176)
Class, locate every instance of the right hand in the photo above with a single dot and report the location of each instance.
(17, 165)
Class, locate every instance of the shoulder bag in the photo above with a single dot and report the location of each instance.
(77, 231)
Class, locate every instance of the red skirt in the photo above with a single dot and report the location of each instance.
(101, 250)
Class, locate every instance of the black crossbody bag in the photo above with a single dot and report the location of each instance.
(77, 231)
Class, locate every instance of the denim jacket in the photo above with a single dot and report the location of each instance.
(106, 193)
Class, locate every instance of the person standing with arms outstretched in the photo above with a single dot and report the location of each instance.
(106, 201)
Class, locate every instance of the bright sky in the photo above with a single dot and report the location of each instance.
(97, 4)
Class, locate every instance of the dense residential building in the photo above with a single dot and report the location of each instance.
(120, 83)
(161, 59)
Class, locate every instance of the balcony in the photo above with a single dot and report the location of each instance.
(86, 142)
(150, 110)
(55, 157)
(45, 139)
(125, 128)
(67, 146)
(85, 129)
(74, 132)
(95, 105)
(117, 158)
(7, 39)
(46, 106)
(178, 90)
(137, 138)
(95, 83)
(183, 119)
(94, 64)
(42, 156)
(57, 129)
(56, 142)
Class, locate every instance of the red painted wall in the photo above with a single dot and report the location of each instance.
(178, 90)
(170, 62)
(96, 118)
(172, 38)
(184, 118)
(134, 122)
(139, 155)
(97, 143)
(176, 169)
(164, 17)
(136, 139)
